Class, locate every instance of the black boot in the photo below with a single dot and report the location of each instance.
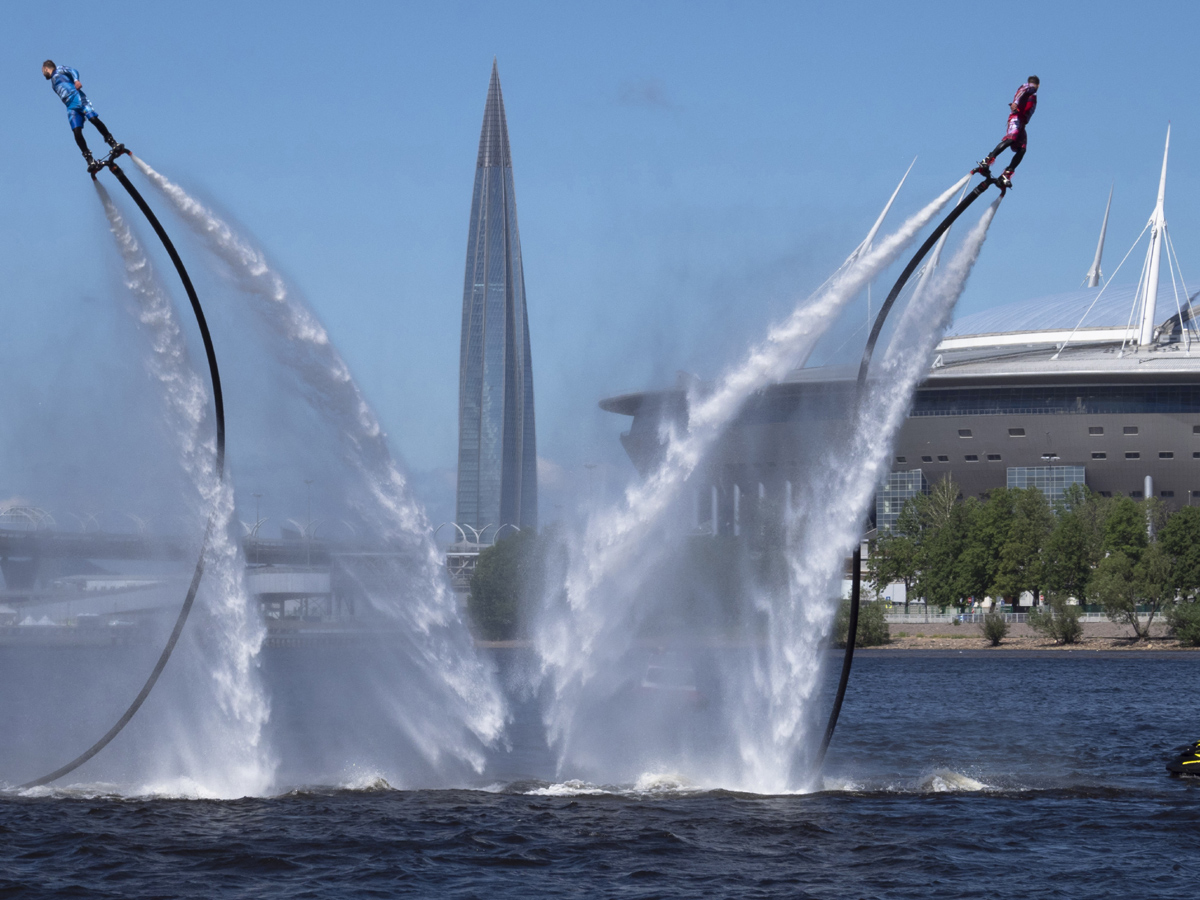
(117, 149)
(92, 166)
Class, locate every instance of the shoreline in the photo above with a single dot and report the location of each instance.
(972, 645)
(1075, 652)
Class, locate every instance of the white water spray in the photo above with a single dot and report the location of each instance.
(454, 690)
(589, 627)
(217, 737)
(828, 520)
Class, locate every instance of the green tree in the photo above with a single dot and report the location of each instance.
(872, 628)
(895, 554)
(943, 527)
(1122, 585)
(1125, 528)
(1058, 620)
(994, 627)
(1153, 578)
(977, 560)
(506, 573)
(1180, 537)
(990, 525)
(1075, 545)
(1184, 619)
(1019, 566)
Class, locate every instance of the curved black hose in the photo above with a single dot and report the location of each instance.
(219, 408)
(860, 389)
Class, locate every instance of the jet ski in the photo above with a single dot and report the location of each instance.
(1187, 762)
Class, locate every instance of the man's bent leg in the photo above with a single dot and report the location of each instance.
(1000, 148)
(108, 138)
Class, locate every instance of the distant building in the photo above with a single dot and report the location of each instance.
(497, 442)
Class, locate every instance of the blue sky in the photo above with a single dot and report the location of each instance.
(684, 171)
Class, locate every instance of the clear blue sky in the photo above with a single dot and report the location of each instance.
(684, 171)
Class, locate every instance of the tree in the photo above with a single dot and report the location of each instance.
(1057, 620)
(1019, 565)
(1120, 583)
(990, 524)
(1184, 619)
(1154, 583)
(1125, 528)
(976, 561)
(1112, 585)
(1180, 537)
(872, 628)
(944, 520)
(506, 572)
(994, 627)
(895, 553)
(1075, 544)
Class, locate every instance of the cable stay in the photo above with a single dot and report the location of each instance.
(219, 408)
(864, 366)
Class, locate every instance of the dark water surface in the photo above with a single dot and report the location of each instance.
(964, 776)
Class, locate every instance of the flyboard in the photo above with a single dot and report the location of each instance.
(860, 392)
(110, 162)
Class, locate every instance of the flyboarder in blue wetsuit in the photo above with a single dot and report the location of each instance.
(69, 88)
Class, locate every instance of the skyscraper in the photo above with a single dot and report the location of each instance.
(497, 443)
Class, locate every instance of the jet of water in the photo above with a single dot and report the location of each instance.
(589, 626)
(828, 520)
(459, 692)
(217, 736)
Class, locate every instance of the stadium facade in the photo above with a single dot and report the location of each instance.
(1099, 386)
(497, 441)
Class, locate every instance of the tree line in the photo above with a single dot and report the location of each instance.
(1133, 558)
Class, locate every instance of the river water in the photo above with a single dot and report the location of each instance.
(970, 774)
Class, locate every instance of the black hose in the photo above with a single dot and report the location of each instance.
(860, 390)
(219, 408)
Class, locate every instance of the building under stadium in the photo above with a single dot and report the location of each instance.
(1100, 386)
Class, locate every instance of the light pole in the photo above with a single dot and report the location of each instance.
(257, 522)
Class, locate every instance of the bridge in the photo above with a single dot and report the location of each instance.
(24, 553)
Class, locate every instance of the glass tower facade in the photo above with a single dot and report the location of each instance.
(899, 488)
(1052, 481)
(497, 443)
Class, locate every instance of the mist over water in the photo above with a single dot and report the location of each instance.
(428, 704)
(600, 634)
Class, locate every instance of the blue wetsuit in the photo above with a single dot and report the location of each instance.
(78, 107)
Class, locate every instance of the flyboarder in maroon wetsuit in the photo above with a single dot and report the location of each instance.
(1023, 104)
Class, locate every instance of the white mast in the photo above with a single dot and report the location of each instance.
(1094, 274)
(865, 246)
(1149, 287)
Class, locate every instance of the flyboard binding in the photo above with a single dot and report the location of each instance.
(96, 165)
(1001, 182)
(1187, 762)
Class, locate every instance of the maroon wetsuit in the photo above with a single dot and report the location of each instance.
(1024, 102)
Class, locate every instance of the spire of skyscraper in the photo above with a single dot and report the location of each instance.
(493, 140)
(497, 441)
